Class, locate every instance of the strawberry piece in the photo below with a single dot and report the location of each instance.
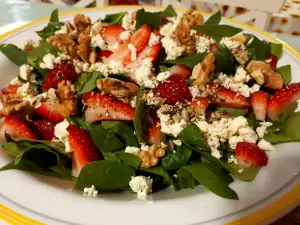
(250, 155)
(61, 72)
(155, 136)
(83, 148)
(183, 70)
(174, 90)
(11, 89)
(104, 107)
(141, 38)
(227, 98)
(47, 110)
(44, 129)
(103, 54)
(282, 100)
(16, 128)
(111, 33)
(272, 60)
(214, 47)
(259, 101)
(200, 104)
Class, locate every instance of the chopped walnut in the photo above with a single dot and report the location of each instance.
(150, 158)
(66, 104)
(201, 72)
(241, 55)
(82, 23)
(272, 79)
(64, 43)
(73, 33)
(117, 88)
(241, 38)
(13, 102)
(182, 31)
(92, 56)
(83, 47)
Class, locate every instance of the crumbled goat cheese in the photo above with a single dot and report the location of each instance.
(90, 192)
(203, 44)
(234, 140)
(168, 29)
(113, 67)
(96, 27)
(23, 90)
(177, 142)
(63, 30)
(163, 145)
(163, 76)
(151, 100)
(154, 39)
(248, 134)
(265, 145)
(232, 159)
(60, 58)
(172, 48)
(241, 75)
(229, 43)
(97, 41)
(133, 102)
(48, 61)
(81, 66)
(144, 147)
(262, 130)
(124, 35)
(127, 22)
(61, 133)
(173, 128)
(25, 72)
(194, 91)
(132, 49)
(132, 150)
(144, 75)
(141, 185)
(203, 125)
(15, 81)
(113, 47)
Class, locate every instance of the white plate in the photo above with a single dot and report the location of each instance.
(52, 201)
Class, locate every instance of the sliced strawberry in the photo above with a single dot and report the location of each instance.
(183, 70)
(111, 33)
(282, 100)
(174, 90)
(104, 107)
(16, 127)
(228, 98)
(272, 60)
(61, 72)
(200, 104)
(44, 129)
(47, 110)
(11, 89)
(214, 47)
(83, 148)
(141, 38)
(250, 155)
(103, 54)
(259, 101)
(155, 136)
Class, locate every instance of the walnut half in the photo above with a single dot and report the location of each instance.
(201, 72)
(67, 103)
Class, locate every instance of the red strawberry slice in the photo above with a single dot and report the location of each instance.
(282, 100)
(16, 127)
(83, 148)
(174, 90)
(11, 89)
(47, 110)
(103, 54)
(104, 107)
(44, 129)
(228, 98)
(61, 72)
(259, 101)
(250, 155)
(183, 70)
(155, 136)
(111, 33)
(200, 104)
(272, 60)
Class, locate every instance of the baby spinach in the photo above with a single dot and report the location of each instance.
(190, 60)
(186, 179)
(176, 159)
(81, 122)
(14, 149)
(232, 111)
(291, 126)
(126, 134)
(169, 12)
(110, 156)
(139, 110)
(105, 140)
(157, 170)
(129, 159)
(261, 48)
(109, 124)
(14, 54)
(105, 175)
(53, 26)
(277, 138)
(214, 19)
(87, 82)
(286, 73)
(276, 49)
(114, 19)
(62, 171)
(192, 135)
(208, 175)
(224, 61)
(217, 32)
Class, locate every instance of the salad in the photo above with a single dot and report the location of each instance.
(145, 101)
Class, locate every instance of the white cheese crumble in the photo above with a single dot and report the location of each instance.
(48, 61)
(163, 145)
(203, 125)
(168, 29)
(232, 159)
(151, 100)
(262, 130)
(23, 90)
(25, 72)
(194, 90)
(90, 192)
(234, 140)
(144, 75)
(177, 142)
(163, 76)
(15, 81)
(97, 41)
(61, 133)
(112, 67)
(132, 150)
(203, 44)
(172, 48)
(63, 30)
(132, 49)
(127, 22)
(81, 66)
(141, 185)
(125, 35)
(173, 128)
(154, 39)
(113, 47)
(133, 102)
(265, 145)
(96, 27)
(229, 43)
(144, 147)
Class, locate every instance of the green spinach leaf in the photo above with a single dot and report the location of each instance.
(152, 19)
(14, 54)
(62, 171)
(291, 126)
(224, 61)
(176, 159)
(126, 134)
(110, 156)
(14, 148)
(190, 61)
(87, 82)
(192, 135)
(139, 110)
(104, 175)
(261, 48)
(109, 124)
(114, 19)
(286, 73)
(81, 122)
(186, 179)
(276, 49)
(169, 12)
(214, 19)
(129, 159)
(232, 111)
(158, 171)
(277, 138)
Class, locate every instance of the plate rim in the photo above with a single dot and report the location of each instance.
(264, 214)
